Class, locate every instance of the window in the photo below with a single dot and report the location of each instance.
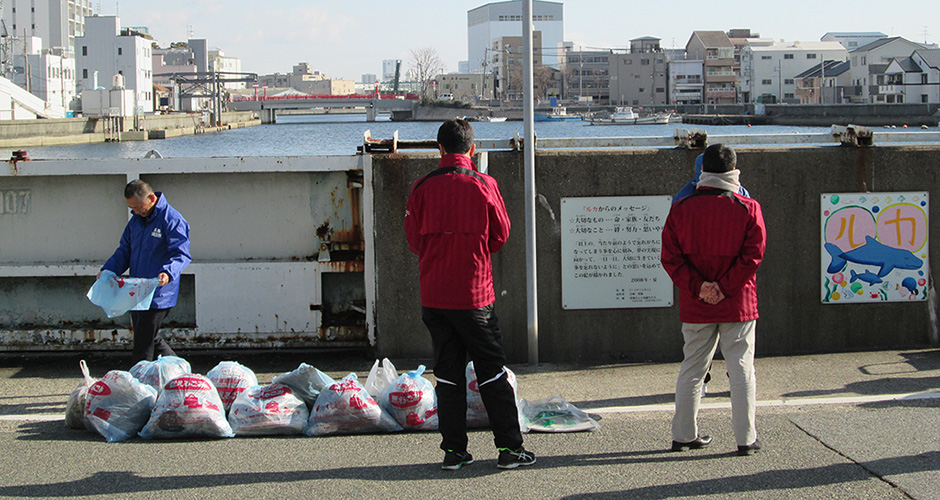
(923, 78)
(766, 82)
(923, 98)
(765, 58)
(84, 73)
(853, 44)
(811, 56)
(628, 61)
(644, 62)
(788, 81)
(120, 51)
(788, 96)
(788, 56)
(864, 60)
(84, 50)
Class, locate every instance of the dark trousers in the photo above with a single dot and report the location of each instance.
(147, 339)
(457, 334)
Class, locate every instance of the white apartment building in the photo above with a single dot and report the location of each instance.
(48, 74)
(770, 70)
(869, 63)
(490, 22)
(106, 50)
(56, 22)
(914, 79)
(852, 40)
(686, 81)
(218, 61)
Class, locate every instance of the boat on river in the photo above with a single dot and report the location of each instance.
(558, 114)
(625, 115)
(491, 119)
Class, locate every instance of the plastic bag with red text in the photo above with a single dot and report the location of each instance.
(346, 408)
(188, 406)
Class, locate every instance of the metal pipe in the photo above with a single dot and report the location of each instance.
(528, 113)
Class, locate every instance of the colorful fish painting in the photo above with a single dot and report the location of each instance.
(873, 253)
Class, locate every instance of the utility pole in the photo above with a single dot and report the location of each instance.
(822, 79)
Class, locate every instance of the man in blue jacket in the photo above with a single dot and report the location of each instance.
(155, 244)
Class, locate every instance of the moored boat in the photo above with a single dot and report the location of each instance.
(558, 114)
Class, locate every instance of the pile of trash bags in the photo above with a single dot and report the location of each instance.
(163, 399)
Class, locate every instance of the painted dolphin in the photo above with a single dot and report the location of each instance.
(873, 253)
(868, 277)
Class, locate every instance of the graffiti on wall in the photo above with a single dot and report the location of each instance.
(874, 247)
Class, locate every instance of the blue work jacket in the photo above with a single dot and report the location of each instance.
(154, 245)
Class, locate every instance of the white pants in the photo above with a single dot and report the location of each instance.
(737, 347)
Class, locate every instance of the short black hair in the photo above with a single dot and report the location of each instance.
(137, 189)
(456, 136)
(719, 158)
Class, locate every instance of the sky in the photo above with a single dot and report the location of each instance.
(345, 40)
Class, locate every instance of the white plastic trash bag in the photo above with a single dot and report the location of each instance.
(476, 411)
(75, 407)
(306, 381)
(231, 378)
(118, 295)
(346, 408)
(411, 401)
(118, 405)
(188, 406)
(268, 410)
(380, 376)
(157, 373)
(554, 414)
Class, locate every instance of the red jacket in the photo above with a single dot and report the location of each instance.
(454, 221)
(711, 237)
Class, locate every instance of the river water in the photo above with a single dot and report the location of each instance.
(341, 134)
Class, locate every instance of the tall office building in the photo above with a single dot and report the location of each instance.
(107, 50)
(56, 22)
(493, 21)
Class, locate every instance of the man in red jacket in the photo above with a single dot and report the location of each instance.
(455, 219)
(713, 243)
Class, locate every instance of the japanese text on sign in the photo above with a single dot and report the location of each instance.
(610, 250)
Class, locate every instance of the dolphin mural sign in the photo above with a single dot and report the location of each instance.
(874, 247)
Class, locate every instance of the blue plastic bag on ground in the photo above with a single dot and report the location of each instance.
(306, 381)
(346, 408)
(188, 406)
(118, 295)
(411, 401)
(157, 373)
(118, 405)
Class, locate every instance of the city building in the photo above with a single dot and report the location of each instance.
(771, 70)
(466, 87)
(586, 75)
(388, 69)
(853, 40)
(716, 49)
(869, 63)
(48, 74)
(507, 57)
(686, 81)
(638, 76)
(369, 78)
(56, 22)
(493, 21)
(218, 61)
(106, 50)
(914, 79)
(740, 38)
(824, 83)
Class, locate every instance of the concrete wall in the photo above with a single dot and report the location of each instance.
(14, 129)
(788, 183)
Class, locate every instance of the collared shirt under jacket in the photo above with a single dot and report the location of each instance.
(717, 236)
(154, 245)
(454, 221)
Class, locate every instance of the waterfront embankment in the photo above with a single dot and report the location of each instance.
(87, 130)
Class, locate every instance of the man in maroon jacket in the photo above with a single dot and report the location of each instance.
(713, 243)
(455, 219)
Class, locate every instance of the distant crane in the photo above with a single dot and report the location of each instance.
(397, 75)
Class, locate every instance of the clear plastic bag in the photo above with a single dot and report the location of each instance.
(554, 414)
(411, 401)
(380, 376)
(118, 295)
(188, 406)
(476, 411)
(268, 410)
(306, 381)
(346, 408)
(157, 373)
(231, 378)
(118, 405)
(75, 407)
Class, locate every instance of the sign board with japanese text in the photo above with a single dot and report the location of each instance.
(610, 249)
(874, 247)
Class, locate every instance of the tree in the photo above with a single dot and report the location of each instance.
(543, 77)
(425, 64)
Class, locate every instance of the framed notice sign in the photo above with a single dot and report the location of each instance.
(610, 249)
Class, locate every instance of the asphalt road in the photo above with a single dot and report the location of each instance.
(852, 425)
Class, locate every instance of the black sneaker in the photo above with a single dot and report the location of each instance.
(750, 449)
(454, 460)
(509, 459)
